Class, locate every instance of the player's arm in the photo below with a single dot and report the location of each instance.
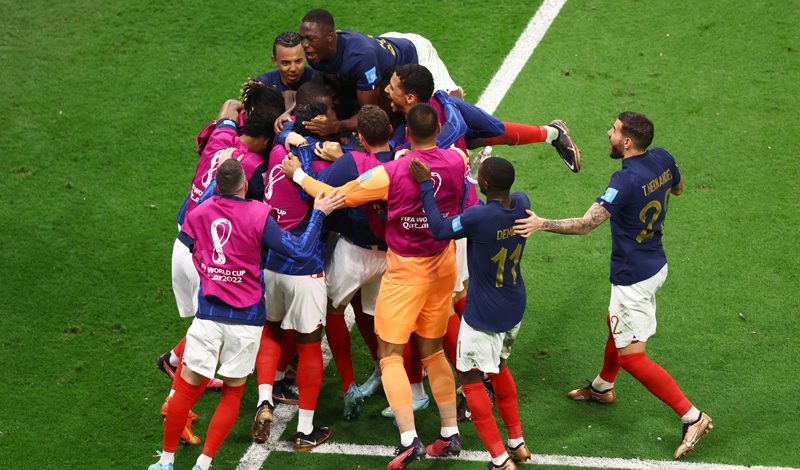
(441, 229)
(230, 110)
(289, 103)
(371, 186)
(678, 188)
(300, 247)
(454, 126)
(595, 216)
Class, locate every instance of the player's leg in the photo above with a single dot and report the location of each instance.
(366, 326)
(479, 353)
(412, 363)
(237, 358)
(285, 388)
(204, 340)
(305, 314)
(506, 397)
(395, 317)
(602, 387)
(428, 57)
(430, 331)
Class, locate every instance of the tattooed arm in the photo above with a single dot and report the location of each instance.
(595, 216)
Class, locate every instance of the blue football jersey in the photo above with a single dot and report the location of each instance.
(273, 77)
(363, 59)
(637, 198)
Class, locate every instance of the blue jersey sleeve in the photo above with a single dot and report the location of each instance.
(280, 139)
(454, 127)
(300, 248)
(617, 194)
(451, 228)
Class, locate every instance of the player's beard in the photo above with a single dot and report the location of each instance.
(616, 151)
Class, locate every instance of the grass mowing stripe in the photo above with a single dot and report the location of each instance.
(519, 55)
(257, 453)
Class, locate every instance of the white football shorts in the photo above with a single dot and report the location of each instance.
(298, 302)
(233, 345)
(482, 350)
(351, 268)
(428, 57)
(632, 310)
(461, 263)
(185, 280)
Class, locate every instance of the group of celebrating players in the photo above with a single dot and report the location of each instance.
(343, 178)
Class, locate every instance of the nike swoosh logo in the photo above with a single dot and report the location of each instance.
(402, 456)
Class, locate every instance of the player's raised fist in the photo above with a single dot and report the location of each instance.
(419, 170)
(289, 164)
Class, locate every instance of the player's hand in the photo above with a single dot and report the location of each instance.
(227, 154)
(330, 202)
(420, 171)
(321, 125)
(294, 140)
(526, 227)
(401, 153)
(328, 151)
(287, 116)
(289, 165)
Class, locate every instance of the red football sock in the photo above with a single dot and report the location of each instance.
(481, 407)
(185, 397)
(366, 326)
(657, 380)
(309, 374)
(505, 394)
(611, 358)
(178, 349)
(459, 306)
(519, 134)
(268, 354)
(223, 419)
(288, 350)
(339, 341)
(450, 340)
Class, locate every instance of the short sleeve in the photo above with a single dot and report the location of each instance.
(366, 71)
(616, 195)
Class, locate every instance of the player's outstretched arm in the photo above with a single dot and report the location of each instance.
(301, 247)
(595, 216)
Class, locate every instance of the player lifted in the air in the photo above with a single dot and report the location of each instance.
(636, 202)
(495, 302)
(362, 59)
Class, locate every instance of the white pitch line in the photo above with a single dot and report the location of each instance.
(257, 453)
(519, 55)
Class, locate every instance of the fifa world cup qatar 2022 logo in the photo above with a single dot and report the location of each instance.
(220, 233)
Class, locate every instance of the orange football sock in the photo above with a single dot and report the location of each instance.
(443, 385)
(395, 383)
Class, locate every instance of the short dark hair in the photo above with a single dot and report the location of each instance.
(638, 128)
(416, 79)
(286, 39)
(319, 16)
(309, 92)
(387, 76)
(498, 172)
(423, 121)
(262, 97)
(260, 124)
(308, 113)
(373, 125)
(230, 177)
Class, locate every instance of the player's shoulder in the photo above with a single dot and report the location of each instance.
(269, 78)
(521, 199)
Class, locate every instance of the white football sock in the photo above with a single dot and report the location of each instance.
(418, 391)
(407, 438)
(264, 393)
(514, 443)
(601, 385)
(279, 375)
(204, 461)
(448, 431)
(691, 416)
(167, 457)
(501, 459)
(305, 421)
(173, 359)
(552, 134)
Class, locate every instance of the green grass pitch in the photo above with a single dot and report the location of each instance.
(100, 102)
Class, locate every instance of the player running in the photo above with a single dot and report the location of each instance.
(636, 202)
(420, 276)
(227, 234)
(495, 302)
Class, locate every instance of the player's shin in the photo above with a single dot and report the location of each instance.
(656, 380)
(505, 389)
(223, 419)
(481, 407)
